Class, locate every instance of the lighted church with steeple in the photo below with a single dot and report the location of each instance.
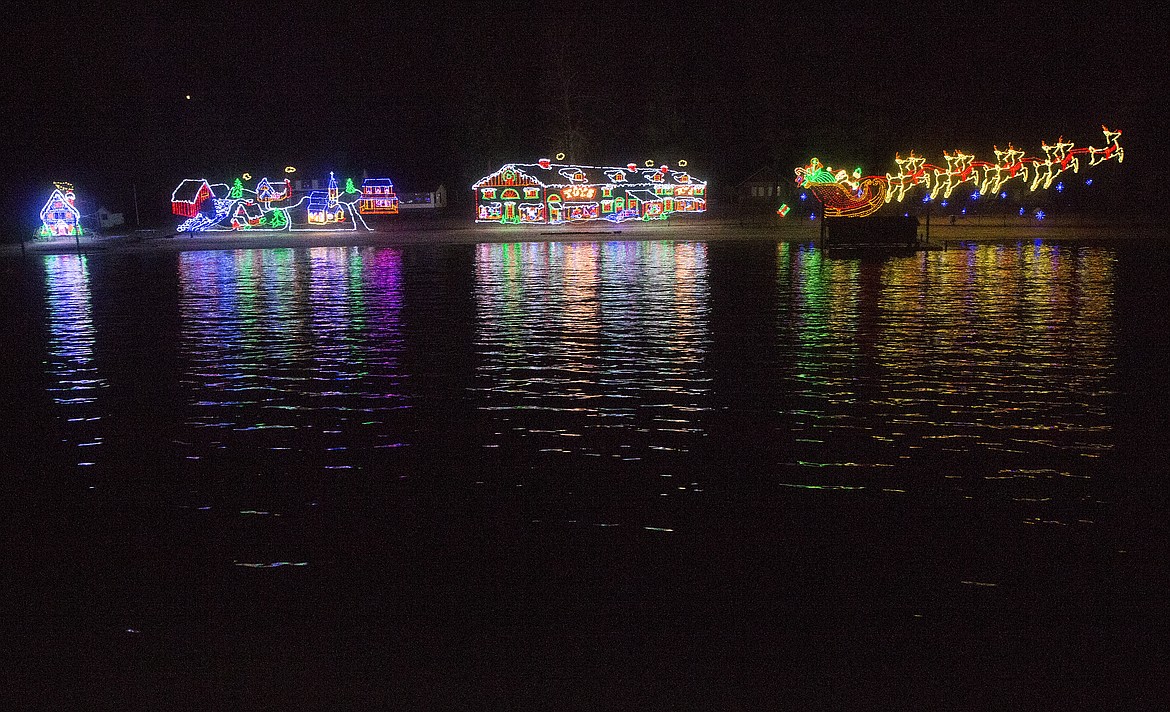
(324, 207)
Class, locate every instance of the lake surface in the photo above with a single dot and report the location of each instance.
(603, 436)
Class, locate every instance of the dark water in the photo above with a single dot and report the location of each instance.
(592, 437)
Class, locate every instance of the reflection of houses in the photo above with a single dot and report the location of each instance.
(324, 207)
(59, 216)
(544, 192)
(188, 198)
(378, 197)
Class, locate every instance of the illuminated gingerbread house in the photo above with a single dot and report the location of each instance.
(551, 193)
(378, 197)
(59, 216)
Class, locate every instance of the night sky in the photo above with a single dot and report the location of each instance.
(430, 93)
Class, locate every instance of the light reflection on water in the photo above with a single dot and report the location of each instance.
(302, 345)
(593, 349)
(987, 365)
(983, 373)
(75, 382)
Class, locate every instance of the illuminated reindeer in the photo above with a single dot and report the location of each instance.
(911, 170)
(1007, 164)
(1097, 155)
(1057, 159)
(957, 172)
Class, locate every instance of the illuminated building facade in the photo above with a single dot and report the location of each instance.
(324, 205)
(270, 205)
(552, 194)
(188, 198)
(378, 197)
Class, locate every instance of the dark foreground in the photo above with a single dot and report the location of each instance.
(587, 475)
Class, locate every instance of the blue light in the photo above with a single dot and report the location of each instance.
(905, 215)
(1040, 215)
(1021, 211)
(1060, 187)
(1003, 194)
(812, 216)
(964, 211)
(1088, 181)
(804, 196)
(975, 195)
(944, 203)
(926, 198)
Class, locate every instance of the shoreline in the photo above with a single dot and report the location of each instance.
(447, 232)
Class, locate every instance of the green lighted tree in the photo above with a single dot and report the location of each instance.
(237, 189)
(277, 219)
(349, 186)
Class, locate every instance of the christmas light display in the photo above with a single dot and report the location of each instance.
(842, 195)
(851, 195)
(378, 197)
(549, 193)
(273, 205)
(59, 217)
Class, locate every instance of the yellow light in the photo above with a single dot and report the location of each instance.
(682, 163)
(290, 169)
(560, 156)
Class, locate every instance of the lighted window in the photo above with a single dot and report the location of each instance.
(489, 193)
(607, 206)
(531, 192)
(607, 191)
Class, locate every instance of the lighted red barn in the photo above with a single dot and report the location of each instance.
(188, 198)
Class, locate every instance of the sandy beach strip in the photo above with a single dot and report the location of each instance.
(439, 232)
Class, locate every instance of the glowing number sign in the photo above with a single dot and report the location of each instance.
(580, 192)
